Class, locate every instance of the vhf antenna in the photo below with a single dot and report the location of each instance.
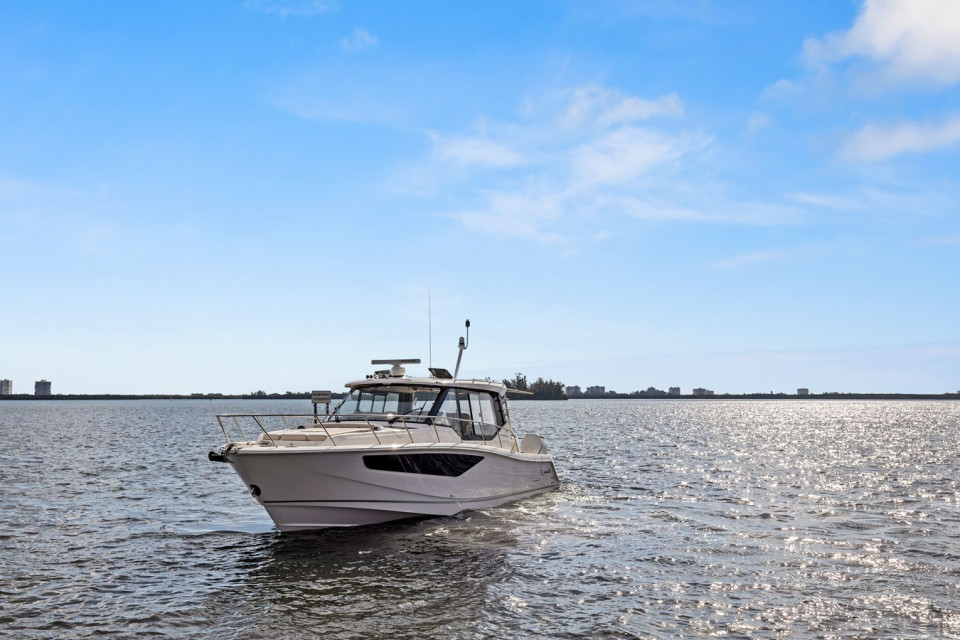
(463, 347)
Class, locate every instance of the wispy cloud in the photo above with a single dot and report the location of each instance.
(284, 8)
(622, 156)
(475, 150)
(748, 259)
(879, 142)
(586, 152)
(757, 122)
(525, 214)
(315, 98)
(904, 198)
(17, 188)
(837, 202)
(596, 106)
(358, 40)
(782, 89)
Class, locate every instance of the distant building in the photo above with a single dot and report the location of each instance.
(574, 391)
(596, 391)
(41, 388)
(6, 387)
(674, 391)
(803, 392)
(651, 392)
(700, 391)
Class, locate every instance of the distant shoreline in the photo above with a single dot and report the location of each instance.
(307, 396)
(782, 396)
(164, 396)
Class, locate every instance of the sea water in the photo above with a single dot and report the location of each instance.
(676, 518)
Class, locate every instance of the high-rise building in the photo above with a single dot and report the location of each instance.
(674, 391)
(6, 387)
(41, 388)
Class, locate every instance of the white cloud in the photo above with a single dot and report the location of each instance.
(876, 142)
(359, 40)
(909, 40)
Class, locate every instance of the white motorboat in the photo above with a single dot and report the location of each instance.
(396, 447)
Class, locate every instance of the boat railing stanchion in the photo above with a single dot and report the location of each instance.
(327, 433)
(236, 421)
(223, 428)
(406, 427)
(265, 432)
(373, 429)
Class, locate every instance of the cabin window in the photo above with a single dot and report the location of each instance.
(396, 400)
(474, 414)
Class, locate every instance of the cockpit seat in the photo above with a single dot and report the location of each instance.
(534, 444)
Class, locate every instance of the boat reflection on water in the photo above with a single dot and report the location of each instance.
(432, 577)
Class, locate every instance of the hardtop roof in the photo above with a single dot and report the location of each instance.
(490, 386)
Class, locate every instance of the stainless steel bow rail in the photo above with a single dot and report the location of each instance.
(334, 426)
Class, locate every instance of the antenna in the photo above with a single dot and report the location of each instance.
(463, 347)
(430, 327)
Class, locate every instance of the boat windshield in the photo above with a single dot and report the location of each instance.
(402, 401)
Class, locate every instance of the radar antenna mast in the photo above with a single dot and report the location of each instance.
(463, 347)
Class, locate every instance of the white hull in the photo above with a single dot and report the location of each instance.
(395, 447)
(312, 488)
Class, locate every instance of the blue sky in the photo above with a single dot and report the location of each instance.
(262, 194)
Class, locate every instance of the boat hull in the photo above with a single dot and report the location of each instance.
(346, 486)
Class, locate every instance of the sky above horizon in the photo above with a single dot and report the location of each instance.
(745, 196)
